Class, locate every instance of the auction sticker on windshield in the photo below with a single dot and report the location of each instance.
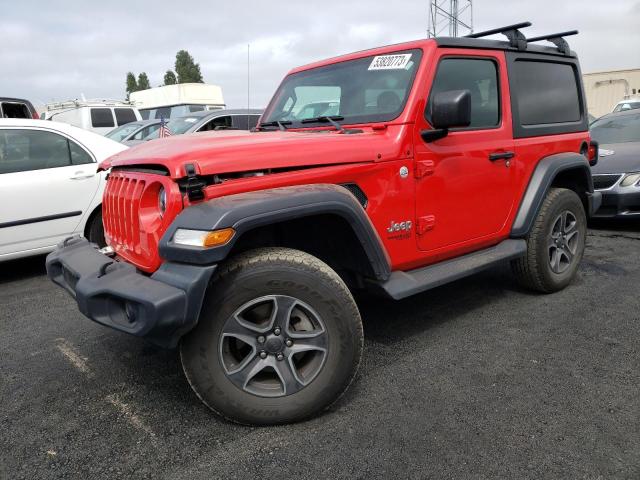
(390, 62)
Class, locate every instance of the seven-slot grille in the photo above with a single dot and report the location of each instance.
(121, 206)
(602, 182)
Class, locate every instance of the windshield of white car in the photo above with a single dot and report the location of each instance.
(365, 90)
(120, 133)
(618, 129)
(623, 107)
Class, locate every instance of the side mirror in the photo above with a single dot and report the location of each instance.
(449, 109)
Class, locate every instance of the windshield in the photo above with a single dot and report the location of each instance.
(370, 89)
(120, 133)
(177, 126)
(621, 107)
(619, 129)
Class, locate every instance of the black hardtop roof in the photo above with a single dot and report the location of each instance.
(484, 44)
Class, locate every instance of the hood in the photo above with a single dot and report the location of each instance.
(241, 151)
(624, 159)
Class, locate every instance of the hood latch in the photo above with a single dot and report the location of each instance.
(194, 184)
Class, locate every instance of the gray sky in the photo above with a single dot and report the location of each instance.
(57, 50)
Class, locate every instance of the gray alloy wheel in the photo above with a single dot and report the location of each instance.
(563, 242)
(273, 346)
(279, 338)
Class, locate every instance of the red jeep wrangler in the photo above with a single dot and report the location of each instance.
(394, 170)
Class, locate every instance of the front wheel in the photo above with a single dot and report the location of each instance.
(555, 244)
(279, 339)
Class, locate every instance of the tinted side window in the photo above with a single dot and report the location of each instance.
(145, 114)
(163, 112)
(240, 122)
(15, 110)
(546, 92)
(219, 123)
(26, 150)
(480, 77)
(79, 156)
(124, 115)
(145, 131)
(101, 117)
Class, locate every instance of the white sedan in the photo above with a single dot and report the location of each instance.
(50, 188)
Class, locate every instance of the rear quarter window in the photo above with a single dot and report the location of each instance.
(124, 115)
(101, 118)
(547, 96)
(546, 92)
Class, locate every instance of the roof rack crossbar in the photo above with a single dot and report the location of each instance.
(512, 32)
(557, 39)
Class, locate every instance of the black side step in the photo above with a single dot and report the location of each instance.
(405, 284)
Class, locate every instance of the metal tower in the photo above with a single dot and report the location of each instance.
(450, 18)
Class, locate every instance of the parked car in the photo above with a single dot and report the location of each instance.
(134, 132)
(617, 174)
(212, 120)
(98, 116)
(16, 108)
(446, 156)
(629, 104)
(49, 185)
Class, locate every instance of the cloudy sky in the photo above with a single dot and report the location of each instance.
(57, 50)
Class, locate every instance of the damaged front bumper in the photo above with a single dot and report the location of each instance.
(160, 308)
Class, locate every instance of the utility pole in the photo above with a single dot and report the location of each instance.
(450, 18)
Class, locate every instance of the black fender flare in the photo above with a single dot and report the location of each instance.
(246, 211)
(543, 176)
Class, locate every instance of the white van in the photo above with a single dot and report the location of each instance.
(98, 116)
(172, 101)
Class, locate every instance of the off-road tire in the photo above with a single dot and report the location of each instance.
(534, 270)
(277, 272)
(95, 230)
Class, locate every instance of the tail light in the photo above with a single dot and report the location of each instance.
(592, 153)
(35, 115)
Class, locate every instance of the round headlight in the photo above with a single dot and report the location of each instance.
(162, 200)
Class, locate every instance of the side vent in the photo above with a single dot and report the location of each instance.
(357, 192)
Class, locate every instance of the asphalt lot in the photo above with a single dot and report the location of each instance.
(477, 379)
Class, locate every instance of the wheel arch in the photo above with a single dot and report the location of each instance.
(323, 220)
(563, 170)
(87, 224)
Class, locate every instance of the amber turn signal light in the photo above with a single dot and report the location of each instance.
(218, 238)
(203, 238)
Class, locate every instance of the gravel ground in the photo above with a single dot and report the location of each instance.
(477, 379)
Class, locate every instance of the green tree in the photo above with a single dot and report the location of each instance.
(170, 78)
(143, 82)
(132, 85)
(188, 71)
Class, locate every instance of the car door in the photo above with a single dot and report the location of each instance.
(47, 182)
(465, 181)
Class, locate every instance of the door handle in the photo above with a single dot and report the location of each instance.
(80, 176)
(501, 156)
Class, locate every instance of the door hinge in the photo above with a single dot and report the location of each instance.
(424, 168)
(425, 224)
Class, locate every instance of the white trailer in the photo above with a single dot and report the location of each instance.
(171, 101)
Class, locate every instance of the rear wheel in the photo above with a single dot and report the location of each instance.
(279, 339)
(555, 244)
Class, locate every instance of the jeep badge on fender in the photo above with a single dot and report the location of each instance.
(243, 249)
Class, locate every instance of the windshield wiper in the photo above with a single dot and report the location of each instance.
(326, 119)
(276, 123)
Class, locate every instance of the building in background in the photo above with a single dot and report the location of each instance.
(171, 101)
(605, 89)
